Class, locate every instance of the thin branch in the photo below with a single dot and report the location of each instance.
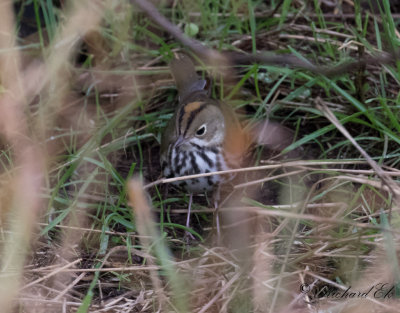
(218, 58)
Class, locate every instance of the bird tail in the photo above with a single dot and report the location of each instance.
(185, 76)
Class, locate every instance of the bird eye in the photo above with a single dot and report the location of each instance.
(201, 131)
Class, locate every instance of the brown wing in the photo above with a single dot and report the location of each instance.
(167, 138)
(237, 140)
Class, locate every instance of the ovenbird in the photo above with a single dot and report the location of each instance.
(204, 135)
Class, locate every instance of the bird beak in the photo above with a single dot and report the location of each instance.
(179, 141)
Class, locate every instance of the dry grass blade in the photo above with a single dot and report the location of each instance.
(310, 217)
(386, 179)
(220, 293)
(263, 180)
(152, 242)
(84, 100)
(55, 272)
(248, 169)
(20, 86)
(146, 228)
(25, 200)
(263, 260)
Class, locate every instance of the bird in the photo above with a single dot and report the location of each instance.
(204, 135)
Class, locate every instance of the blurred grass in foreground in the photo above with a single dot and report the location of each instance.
(85, 95)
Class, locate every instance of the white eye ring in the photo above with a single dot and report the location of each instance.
(201, 131)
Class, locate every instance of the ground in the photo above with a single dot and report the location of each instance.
(87, 93)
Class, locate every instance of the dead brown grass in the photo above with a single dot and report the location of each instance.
(314, 231)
